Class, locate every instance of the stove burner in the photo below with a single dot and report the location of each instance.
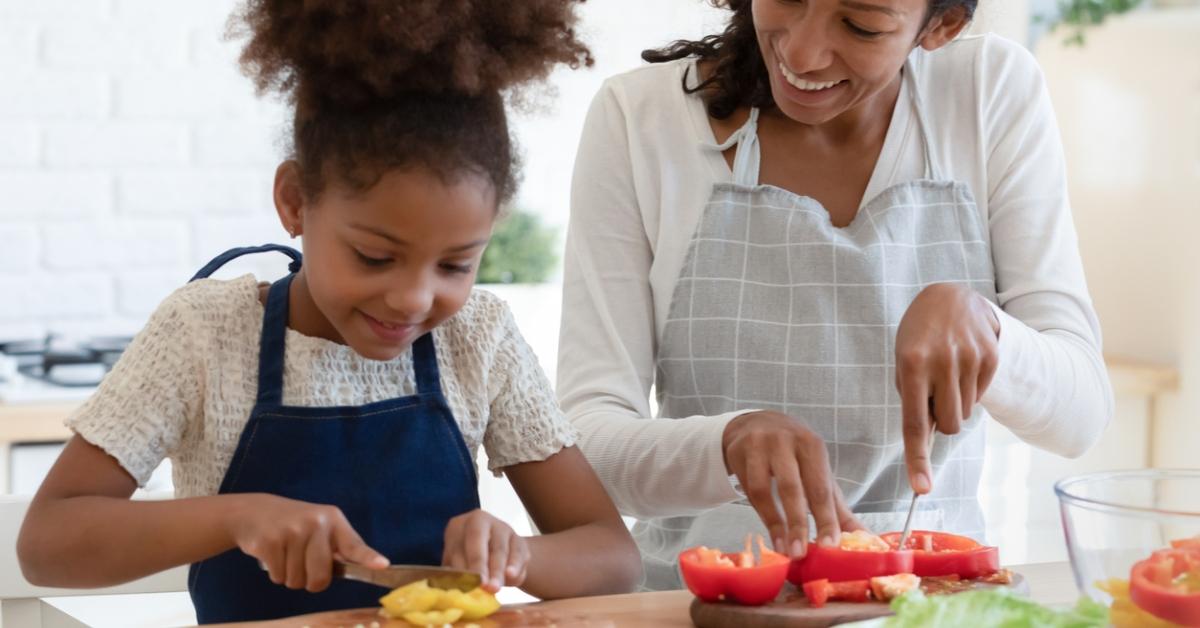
(66, 363)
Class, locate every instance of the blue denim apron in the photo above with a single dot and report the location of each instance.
(398, 469)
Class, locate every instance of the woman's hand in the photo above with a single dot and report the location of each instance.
(296, 542)
(479, 542)
(764, 446)
(946, 355)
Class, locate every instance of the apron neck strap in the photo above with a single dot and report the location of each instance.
(272, 344)
(933, 169)
(425, 366)
(232, 254)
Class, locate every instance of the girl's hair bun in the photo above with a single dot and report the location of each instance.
(353, 53)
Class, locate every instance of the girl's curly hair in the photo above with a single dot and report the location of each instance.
(383, 84)
(739, 77)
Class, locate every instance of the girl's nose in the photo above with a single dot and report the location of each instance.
(411, 296)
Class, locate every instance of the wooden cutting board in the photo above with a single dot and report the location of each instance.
(369, 617)
(791, 610)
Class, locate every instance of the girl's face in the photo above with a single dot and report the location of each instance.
(827, 57)
(384, 266)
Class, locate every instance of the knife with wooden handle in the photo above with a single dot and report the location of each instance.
(399, 575)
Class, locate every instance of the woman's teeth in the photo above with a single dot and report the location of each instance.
(804, 85)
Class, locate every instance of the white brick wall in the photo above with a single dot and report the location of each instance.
(132, 150)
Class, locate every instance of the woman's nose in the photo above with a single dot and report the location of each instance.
(805, 48)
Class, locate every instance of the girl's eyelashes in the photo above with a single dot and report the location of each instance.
(457, 268)
(860, 31)
(371, 261)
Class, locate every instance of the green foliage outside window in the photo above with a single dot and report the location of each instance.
(1078, 15)
(522, 250)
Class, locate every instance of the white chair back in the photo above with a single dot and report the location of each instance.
(21, 604)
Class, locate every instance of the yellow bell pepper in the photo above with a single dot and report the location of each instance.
(476, 604)
(433, 618)
(415, 597)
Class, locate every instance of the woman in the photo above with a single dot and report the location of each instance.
(816, 235)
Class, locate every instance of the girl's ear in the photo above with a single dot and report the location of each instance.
(289, 197)
(942, 29)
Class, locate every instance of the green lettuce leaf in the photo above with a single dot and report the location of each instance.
(992, 608)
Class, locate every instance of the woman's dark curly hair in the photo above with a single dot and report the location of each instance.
(384, 84)
(739, 77)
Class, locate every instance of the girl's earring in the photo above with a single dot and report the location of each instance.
(292, 232)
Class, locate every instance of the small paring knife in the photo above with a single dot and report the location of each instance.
(399, 575)
(912, 507)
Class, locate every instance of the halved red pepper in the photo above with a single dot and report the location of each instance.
(821, 591)
(712, 575)
(837, 564)
(942, 554)
(1167, 585)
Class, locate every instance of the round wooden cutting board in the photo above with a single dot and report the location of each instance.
(791, 610)
(368, 617)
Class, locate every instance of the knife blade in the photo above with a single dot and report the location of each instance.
(912, 506)
(399, 575)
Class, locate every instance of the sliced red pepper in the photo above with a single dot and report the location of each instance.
(840, 565)
(1167, 585)
(819, 592)
(942, 554)
(712, 575)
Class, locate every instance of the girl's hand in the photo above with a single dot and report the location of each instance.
(479, 542)
(946, 355)
(764, 446)
(296, 542)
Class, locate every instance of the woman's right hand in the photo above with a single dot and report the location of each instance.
(297, 542)
(764, 446)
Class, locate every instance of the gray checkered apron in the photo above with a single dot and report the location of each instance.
(775, 308)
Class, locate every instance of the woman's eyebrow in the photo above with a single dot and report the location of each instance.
(866, 6)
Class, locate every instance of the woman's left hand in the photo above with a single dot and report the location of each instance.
(946, 355)
(479, 542)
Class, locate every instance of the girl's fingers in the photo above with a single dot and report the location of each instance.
(475, 547)
(318, 562)
(518, 558)
(295, 556)
(350, 546)
(498, 549)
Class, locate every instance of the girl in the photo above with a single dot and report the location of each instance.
(336, 413)
(815, 234)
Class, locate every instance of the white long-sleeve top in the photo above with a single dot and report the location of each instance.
(640, 185)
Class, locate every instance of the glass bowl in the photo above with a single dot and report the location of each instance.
(1113, 519)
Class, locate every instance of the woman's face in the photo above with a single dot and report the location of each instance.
(384, 266)
(827, 57)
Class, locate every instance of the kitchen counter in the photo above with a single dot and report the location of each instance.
(1049, 583)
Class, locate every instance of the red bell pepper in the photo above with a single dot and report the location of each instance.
(838, 564)
(712, 575)
(1167, 585)
(942, 554)
(821, 591)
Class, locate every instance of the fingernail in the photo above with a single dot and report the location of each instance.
(922, 483)
(779, 547)
(826, 541)
(797, 549)
(496, 584)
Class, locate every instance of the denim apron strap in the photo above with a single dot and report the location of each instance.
(425, 365)
(272, 343)
(233, 254)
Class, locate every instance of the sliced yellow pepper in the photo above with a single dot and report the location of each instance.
(415, 597)
(476, 604)
(433, 618)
